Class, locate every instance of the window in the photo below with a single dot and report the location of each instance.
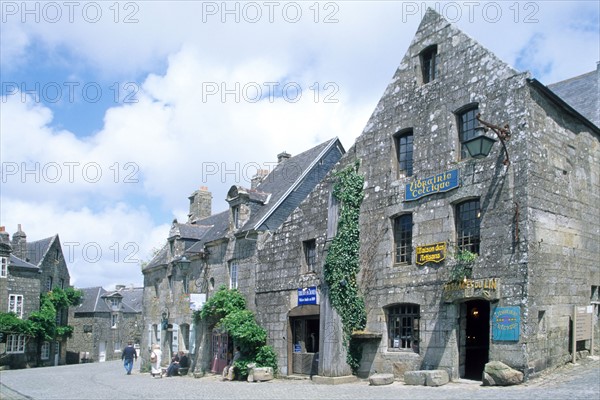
(57, 255)
(404, 148)
(115, 302)
(45, 351)
(333, 213)
(467, 226)
(428, 63)
(114, 318)
(466, 128)
(117, 346)
(235, 213)
(403, 239)
(59, 317)
(170, 279)
(15, 304)
(403, 327)
(3, 267)
(185, 282)
(310, 254)
(62, 283)
(48, 283)
(233, 276)
(87, 329)
(15, 344)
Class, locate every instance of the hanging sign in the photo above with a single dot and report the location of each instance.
(434, 184)
(506, 324)
(431, 253)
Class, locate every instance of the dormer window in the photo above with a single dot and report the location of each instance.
(428, 63)
(115, 303)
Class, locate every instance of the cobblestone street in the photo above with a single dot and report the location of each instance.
(109, 381)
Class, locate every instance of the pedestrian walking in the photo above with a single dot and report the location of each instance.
(128, 355)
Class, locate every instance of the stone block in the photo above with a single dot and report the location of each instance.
(437, 377)
(416, 378)
(381, 379)
(497, 373)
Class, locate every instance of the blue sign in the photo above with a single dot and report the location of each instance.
(307, 296)
(297, 348)
(506, 324)
(434, 184)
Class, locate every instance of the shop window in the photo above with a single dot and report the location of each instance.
(468, 217)
(404, 152)
(467, 122)
(403, 239)
(403, 327)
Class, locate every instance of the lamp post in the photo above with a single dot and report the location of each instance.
(481, 145)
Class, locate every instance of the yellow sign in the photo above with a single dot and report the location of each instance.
(486, 284)
(431, 253)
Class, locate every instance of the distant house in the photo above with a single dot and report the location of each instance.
(221, 249)
(104, 322)
(28, 269)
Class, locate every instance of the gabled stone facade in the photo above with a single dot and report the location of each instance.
(532, 222)
(32, 268)
(208, 252)
(104, 323)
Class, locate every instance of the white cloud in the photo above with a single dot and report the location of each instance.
(180, 135)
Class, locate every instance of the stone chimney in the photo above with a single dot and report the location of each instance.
(283, 156)
(200, 204)
(261, 174)
(118, 288)
(5, 248)
(19, 244)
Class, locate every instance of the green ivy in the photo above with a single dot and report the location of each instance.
(464, 265)
(226, 309)
(342, 262)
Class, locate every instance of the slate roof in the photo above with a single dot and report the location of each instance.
(161, 258)
(282, 180)
(188, 231)
(93, 300)
(37, 249)
(582, 93)
(17, 262)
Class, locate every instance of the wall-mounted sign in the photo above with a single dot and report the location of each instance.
(506, 324)
(197, 300)
(472, 288)
(434, 184)
(431, 253)
(307, 296)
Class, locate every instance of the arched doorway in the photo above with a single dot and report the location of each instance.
(475, 338)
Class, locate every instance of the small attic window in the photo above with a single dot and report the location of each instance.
(428, 63)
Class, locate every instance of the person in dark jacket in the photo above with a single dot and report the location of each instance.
(128, 355)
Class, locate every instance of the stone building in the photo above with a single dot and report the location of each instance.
(209, 251)
(104, 323)
(463, 260)
(27, 270)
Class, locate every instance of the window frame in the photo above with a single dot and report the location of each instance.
(402, 238)
(14, 305)
(233, 275)
(49, 282)
(466, 123)
(235, 215)
(403, 324)
(406, 149)
(429, 62)
(309, 250)
(466, 239)
(45, 351)
(114, 320)
(3, 267)
(15, 341)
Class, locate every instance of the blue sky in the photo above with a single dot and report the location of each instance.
(114, 112)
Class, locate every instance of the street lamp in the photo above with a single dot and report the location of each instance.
(481, 145)
(184, 264)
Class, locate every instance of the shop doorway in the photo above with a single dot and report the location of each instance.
(303, 349)
(475, 338)
(222, 350)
